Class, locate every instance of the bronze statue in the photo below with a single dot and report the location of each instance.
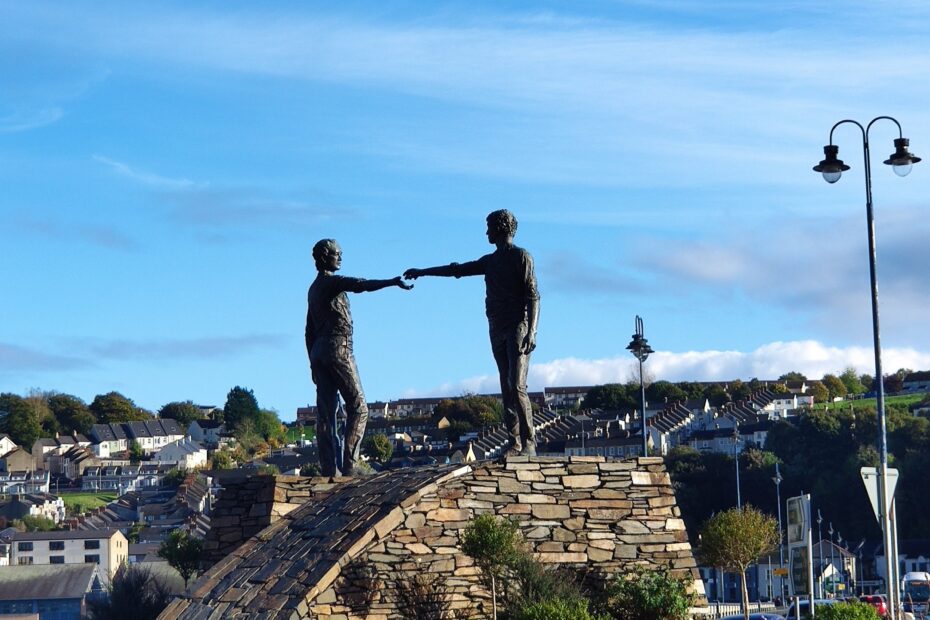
(332, 364)
(512, 307)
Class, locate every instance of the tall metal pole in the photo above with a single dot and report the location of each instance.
(888, 538)
(820, 551)
(781, 543)
(642, 401)
(739, 503)
(832, 560)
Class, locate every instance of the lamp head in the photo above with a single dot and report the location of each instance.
(901, 160)
(639, 347)
(831, 167)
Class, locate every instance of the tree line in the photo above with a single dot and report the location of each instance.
(43, 414)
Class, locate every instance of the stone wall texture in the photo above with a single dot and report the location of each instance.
(340, 554)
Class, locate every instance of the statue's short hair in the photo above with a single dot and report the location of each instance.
(322, 248)
(503, 221)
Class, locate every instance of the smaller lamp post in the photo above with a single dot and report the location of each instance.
(640, 349)
(820, 551)
(739, 503)
(832, 559)
(777, 479)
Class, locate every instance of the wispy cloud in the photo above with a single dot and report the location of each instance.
(144, 177)
(192, 348)
(811, 358)
(18, 359)
(233, 207)
(101, 236)
(32, 119)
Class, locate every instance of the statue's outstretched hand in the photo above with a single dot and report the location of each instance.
(529, 343)
(412, 274)
(398, 281)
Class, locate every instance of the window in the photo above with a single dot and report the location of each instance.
(56, 545)
(92, 559)
(24, 546)
(26, 559)
(56, 559)
(91, 544)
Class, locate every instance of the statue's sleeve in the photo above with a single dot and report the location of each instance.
(345, 284)
(471, 268)
(529, 278)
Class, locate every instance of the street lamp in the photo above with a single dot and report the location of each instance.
(832, 169)
(781, 546)
(832, 560)
(640, 349)
(739, 503)
(820, 550)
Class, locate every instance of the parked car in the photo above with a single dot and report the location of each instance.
(878, 602)
(761, 615)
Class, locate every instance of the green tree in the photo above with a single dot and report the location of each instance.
(612, 396)
(665, 392)
(867, 381)
(19, 420)
(739, 390)
(735, 538)
(72, 413)
(852, 381)
(792, 376)
(114, 407)
(819, 391)
(38, 400)
(136, 454)
(268, 425)
(36, 523)
(223, 459)
(894, 383)
(472, 412)
(835, 386)
(494, 544)
(184, 412)
(134, 593)
(378, 447)
(648, 594)
(555, 609)
(241, 405)
(716, 394)
(183, 552)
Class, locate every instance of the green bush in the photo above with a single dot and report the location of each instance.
(847, 611)
(647, 594)
(528, 581)
(555, 609)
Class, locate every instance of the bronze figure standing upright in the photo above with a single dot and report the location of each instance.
(512, 307)
(332, 363)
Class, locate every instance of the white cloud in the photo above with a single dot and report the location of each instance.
(144, 177)
(769, 361)
(32, 119)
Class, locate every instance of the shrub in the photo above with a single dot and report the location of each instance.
(847, 611)
(134, 593)
(425, 597)
(555, 609)
(647, 594)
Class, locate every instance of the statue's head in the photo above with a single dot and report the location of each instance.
(501, 223)
(327, 255)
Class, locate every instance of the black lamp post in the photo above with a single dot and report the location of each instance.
(832, 169)
(640, 349)
(739, 502)
(777, 479)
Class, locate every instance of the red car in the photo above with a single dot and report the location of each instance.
(878, 602)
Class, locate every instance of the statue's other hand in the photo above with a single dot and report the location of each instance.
(412, 274)
(399, 282)
(529, 343)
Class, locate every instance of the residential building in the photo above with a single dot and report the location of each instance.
(153, 434)
(51, 592)
(109, 439)
(108, 549)
(184, 453)
(17, 459)
(6, 444)
(20, 482)
(208, 432)
(72, 462)
(33, 504)
(124, 478)
(566, 397)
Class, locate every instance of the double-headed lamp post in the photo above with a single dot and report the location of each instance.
(640, 348)
(832, 169)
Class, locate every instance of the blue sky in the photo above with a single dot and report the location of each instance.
(166, 168)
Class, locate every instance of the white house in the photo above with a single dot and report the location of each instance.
(206, 431)
(186, 453)
(107, 548)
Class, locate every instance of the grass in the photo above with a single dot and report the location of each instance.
(86, 501)
(293, 434)
(905, 400)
